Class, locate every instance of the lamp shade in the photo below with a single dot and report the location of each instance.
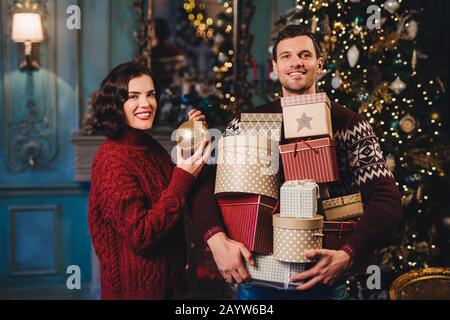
(27, 27)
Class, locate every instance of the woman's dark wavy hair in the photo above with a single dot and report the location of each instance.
(107, 115)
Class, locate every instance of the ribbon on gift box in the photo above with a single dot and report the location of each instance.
(276, 208)
(335, 202)
(342, 226)
(307, 144)
(247, 204)
(305, 183)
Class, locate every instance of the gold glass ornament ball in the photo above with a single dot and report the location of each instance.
(408, 124)
(190, 135)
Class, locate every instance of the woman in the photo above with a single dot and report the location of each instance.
(138, 197)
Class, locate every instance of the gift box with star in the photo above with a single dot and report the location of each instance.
(307, 116)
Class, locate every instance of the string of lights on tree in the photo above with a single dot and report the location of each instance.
(218, 33)
(383, 74)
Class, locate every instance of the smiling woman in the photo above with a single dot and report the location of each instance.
(138, 197)
(129, 89)
(140, 108)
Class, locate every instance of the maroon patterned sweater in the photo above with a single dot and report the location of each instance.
(136, 208)
(361, 168)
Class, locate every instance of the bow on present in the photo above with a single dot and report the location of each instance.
(307, 144)
(305, 183)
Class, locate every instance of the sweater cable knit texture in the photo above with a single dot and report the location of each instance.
(136, 208)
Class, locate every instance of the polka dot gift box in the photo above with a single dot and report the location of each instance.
(292, 237)
(298, 199)
(247, 164)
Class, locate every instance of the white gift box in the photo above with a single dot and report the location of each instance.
(269, 272)
(298, 199)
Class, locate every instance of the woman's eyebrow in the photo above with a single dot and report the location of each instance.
(138, 92)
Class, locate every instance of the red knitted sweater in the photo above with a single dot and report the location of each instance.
(136, 209)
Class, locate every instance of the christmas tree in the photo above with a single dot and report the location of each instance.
(212, 93)
(374, 65)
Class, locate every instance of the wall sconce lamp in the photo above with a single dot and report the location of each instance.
(27, 29)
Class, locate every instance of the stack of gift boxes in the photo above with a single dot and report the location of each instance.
(279, 224)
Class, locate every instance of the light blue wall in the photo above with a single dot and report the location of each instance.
(43, 212)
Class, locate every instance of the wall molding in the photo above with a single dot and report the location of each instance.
(13, 211)
(74, 189)
(46, 293)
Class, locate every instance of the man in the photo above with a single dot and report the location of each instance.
(297, 63)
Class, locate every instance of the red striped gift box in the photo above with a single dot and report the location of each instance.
(248, 219)
(311, 159)
(335, 235)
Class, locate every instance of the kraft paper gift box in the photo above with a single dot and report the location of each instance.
(307, 116)
(269, 272)
(343, 208)
(266, 124)
(248, 219)
(292, 237)
(247, 164)
(336, 234)
(312, 159)
(298, 199)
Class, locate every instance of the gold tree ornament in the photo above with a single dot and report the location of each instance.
(191, 134)
(408, 123)
(414, 60)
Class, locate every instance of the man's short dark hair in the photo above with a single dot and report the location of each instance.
(292, 31)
